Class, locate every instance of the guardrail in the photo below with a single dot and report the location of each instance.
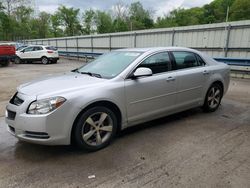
(229, 61)
(79, 54)
(234, 61)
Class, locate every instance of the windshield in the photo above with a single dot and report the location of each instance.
(111, 64)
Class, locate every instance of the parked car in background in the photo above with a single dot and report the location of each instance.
(44, 54)
(7, 54)
(117, 90)
(21, 47)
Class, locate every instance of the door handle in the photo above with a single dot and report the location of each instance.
(170, 78)
(205, 72)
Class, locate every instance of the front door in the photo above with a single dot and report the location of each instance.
(150, 97)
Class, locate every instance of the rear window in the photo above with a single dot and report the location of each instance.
(51, 48)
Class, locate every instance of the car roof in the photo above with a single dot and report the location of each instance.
(155, 49)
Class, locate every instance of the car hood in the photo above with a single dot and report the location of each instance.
(58, 84)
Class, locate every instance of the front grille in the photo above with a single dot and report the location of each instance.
(11, 115)
(12, 129)
(16, 100)
(39, 135)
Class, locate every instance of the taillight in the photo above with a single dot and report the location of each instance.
(49, 51)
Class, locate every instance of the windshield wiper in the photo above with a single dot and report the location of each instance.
(91, 74)
(75, 70)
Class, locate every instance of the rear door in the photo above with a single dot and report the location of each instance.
(191, 76)
(37, 52)
(151, 96)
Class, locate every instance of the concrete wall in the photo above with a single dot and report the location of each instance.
(230, 39)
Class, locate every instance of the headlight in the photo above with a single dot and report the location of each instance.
(46, 105)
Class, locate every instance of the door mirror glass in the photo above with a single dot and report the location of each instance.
(142, 71)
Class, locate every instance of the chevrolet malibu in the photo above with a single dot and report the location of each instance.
(89, 105)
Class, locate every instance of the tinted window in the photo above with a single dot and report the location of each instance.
(185, 60)
(200, 61)
(28, 49)
(157, 63)
(37, 48)
(51, 48)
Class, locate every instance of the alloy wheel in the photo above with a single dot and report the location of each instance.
(97, 129)
(214, 97)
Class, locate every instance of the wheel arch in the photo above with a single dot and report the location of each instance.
(220, 83)
(104, 103)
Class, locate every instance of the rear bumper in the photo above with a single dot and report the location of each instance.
(7, 58)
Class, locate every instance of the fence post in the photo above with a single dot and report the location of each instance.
(110, 43)
(227, 40)
(56, 44)
(91, 42)
(66, 45)
(173, 34)
(48, 42)
(135, 39)
(77, 48)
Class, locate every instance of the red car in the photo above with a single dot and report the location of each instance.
(7, 54)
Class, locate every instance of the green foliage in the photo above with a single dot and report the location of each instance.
(139, 17)
(69, 19)
(88, 21)
(240, 10)
(103, 22)
(17, 20)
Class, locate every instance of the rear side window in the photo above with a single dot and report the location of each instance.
(158, 63)
(51, 48)
(200, 61)
(37, 48)
(186, 60)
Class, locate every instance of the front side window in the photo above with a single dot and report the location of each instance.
(185, 60)
(158, 63)
(111, 64)
(28, 49)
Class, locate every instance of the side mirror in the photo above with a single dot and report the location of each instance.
(22, 51)
(142, 71)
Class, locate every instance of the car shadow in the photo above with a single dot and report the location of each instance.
(164, 121)
(37, 153)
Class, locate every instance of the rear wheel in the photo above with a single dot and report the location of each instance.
(5, 63)
(95, 128)
(17, 60)
(213, 98)
(45, 60)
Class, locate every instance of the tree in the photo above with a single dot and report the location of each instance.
(89, 22)
(103, 22)
(240, 10)
(120, 14)
(12, 5)
(139, 17)
(56, 29)
(69, 20)
(43, 26)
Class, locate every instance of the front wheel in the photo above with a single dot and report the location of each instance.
(95, 128)
(45, 60)
(213, 98)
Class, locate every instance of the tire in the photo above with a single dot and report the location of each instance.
(5, 64)
(95, 128)
(45, 60)
(54, 61)
(17, 60)
(213, 98)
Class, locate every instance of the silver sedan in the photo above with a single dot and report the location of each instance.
(89, 105)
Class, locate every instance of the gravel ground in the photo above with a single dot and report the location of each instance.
(188, 149)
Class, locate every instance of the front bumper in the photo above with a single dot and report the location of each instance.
(49, 129)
